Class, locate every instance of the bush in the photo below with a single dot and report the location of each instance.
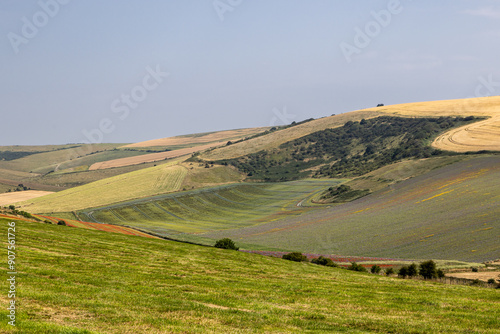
(375, 269)
(412, 270)
(428, 269)
(324, 261)
(440, 273)
(295, 256)
(491, 281)
(356, 267)
(403, 272)
(61, 222)
(474, 269)
(226, 243)
(389, 271)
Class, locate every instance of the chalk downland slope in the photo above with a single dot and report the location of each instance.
(153, 157)
(483, 135)
(199, 138)
(276, 138)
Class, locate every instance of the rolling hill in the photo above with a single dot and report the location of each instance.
(88, 282)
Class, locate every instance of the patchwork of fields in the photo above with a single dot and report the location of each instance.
(450, 213)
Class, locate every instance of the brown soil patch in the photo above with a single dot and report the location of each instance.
(19, 196)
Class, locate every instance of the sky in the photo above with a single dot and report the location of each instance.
(127, 71)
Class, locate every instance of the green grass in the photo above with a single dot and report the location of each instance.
(451, 213)
(79, 281)
(217, 208)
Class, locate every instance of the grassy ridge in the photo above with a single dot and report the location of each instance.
(449, 213)
(79, 281)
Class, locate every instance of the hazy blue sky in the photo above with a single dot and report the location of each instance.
(74, 71)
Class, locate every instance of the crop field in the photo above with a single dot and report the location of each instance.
(18, 196)
(90, 282)
(452, 212)
(484, 135)
(199, 138)
(146, 182)
(152, 157)
(216, 208)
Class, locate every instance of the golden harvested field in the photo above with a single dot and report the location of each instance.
(142, 183)
(221, 136)
(483, 135)
(18, 196)
(152, 157)
(277, 138)
(482, 275)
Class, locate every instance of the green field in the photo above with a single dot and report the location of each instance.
(452, 212)
(79, 281)
(216, 208)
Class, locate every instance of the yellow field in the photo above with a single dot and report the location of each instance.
(18, 196)
(221, 136)
(152, 157)
(142, 183)
(277, 138)
(484, 135)
(173, 176)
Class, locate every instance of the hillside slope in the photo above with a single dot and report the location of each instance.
(166, 178)
(484, 135)
(88, 282)
(465, 139)
(452, 212)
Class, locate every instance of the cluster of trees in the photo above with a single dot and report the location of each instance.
(343, 193)
(351, 150)
(20, 187)
(426, 269)
(12, 209)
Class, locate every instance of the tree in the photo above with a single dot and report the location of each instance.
(403, 272)
(428, 269)
(295, 256)
(389, 271)
(61, 222)
(356, 267)
(324, 261)
(440, 273)
(375, 269)
(412, 270)
(225, 243)
(12, 207)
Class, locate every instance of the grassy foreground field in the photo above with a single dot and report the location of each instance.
(82, 282)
